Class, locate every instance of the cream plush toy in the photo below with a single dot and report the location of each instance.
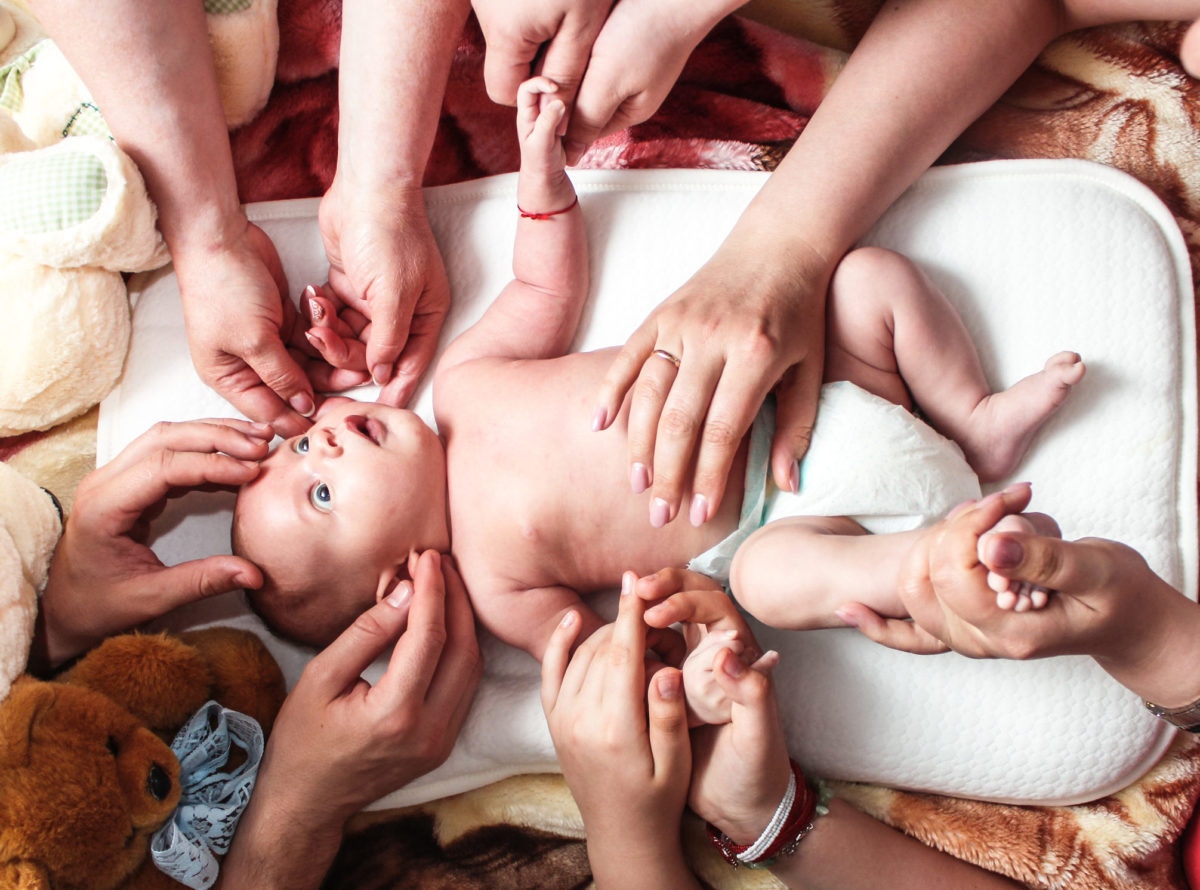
(30, 525)
(74, 213)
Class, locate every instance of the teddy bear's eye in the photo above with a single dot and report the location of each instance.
(112, 746)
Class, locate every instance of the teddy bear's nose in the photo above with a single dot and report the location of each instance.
(158, 783)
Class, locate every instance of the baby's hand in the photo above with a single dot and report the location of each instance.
(541, 116)
(706, 701)
(1011, 594)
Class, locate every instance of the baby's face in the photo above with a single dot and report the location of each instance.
(362, 488)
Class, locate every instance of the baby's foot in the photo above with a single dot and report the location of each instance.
(1012, 594)
(1003, 423)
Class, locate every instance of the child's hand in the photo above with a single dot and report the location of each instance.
(707, 701)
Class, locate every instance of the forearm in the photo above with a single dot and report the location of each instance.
(149, 67)
(1156, 652)
(394, 62)
(923, 72)
(848, 849)
(651, 860)
(280, 848)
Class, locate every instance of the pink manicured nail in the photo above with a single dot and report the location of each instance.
(668, 683)
(794, 477)
(381, 374)
(660, 512)
(846, 617)
(698, 514)
(599, 419)
(639, 478)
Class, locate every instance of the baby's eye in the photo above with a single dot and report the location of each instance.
(300, 446)
(321, 497)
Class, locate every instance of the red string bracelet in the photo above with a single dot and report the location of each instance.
(525, 214)
(785, 831)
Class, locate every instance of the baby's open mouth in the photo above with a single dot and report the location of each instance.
(367, 427)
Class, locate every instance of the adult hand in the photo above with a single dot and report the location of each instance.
(385, 266)
(624, 752)
(635, 61)
(238, 320)
(340, 743)
(561, 32)
(739, 327)
(104, 579)
(1103, 593)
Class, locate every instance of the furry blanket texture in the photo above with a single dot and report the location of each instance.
(1114, 95)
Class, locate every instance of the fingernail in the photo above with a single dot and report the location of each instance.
(794, 477)
(660, 512)
(315, 310)
(401, 595)
(668, 685)
(311, 337)
(846, 617)
(569, 619)
(734, 667)
(381, 374)
(599, 419)
(627, 581)
(302, 404)
(1017, 486)
(639, 478)
(698, 514)
(1006, 553)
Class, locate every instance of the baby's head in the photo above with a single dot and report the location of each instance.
(334, 514)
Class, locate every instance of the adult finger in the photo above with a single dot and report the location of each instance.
(566, 56)
(238, 438)
(682, 428)
(461, 667)
(1047, 562)
(735, 401)
(796, 399)
(419, 351)
(200, 579)
(391, 315)
(621, 374)
(507, 60)
(342, 662)
(895, 633)
(415, 659)
(138, 487)
(654, 385)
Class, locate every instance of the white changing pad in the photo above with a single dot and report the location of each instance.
(1039, 256)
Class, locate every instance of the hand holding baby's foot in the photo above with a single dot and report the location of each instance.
(706, 701)
(1003, 423)
(1013, 594)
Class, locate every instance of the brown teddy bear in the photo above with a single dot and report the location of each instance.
(86, 774)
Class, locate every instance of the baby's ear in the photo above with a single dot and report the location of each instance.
(390, 578)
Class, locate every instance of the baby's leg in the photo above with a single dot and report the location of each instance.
(794, 573)
(892, 332)
(1012, 594)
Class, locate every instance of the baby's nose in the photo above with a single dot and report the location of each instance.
(328, 439)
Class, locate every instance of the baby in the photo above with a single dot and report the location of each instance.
(518, 486)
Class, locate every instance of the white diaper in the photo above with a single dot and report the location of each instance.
(870, 460)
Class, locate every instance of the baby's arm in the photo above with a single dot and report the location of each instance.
(796, 572)
(526, 618)
(537, 313)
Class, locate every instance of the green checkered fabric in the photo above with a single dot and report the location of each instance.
(86, 121)
(40, 194)
(11, 94)
(223, 7)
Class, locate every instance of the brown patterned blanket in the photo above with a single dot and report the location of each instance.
(1114, 95)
